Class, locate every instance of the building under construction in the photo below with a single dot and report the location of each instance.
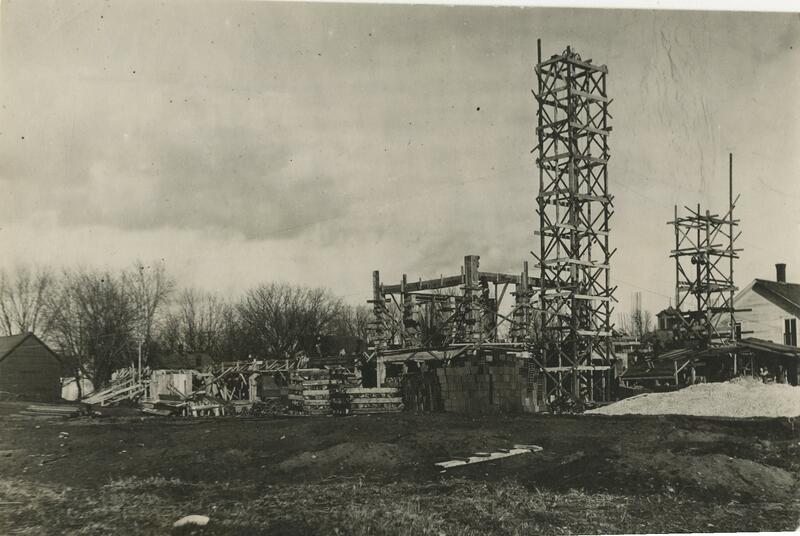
(556, 337)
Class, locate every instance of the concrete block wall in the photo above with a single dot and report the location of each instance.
(499, 386)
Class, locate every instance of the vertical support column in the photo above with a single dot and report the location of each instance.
(407, 307)
(732, 291)
(522, 297)
(677, 261)
(378, 334)
(380, 371)
(472, 288)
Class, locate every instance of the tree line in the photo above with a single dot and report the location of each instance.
(100, 320)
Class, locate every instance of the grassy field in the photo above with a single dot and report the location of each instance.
(375, 475)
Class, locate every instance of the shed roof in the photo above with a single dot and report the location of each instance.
(668, 311)
(10, 343)
(653, 370)
(770, 347)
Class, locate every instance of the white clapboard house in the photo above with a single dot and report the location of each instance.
(771, 309)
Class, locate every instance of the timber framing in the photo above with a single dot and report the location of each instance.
(452, 311)
(573, 360)
(704, 287)
(451, 316)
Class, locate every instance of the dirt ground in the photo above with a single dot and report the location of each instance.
(132, 474)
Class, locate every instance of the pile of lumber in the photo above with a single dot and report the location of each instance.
(200, 404)
(124, 386)
(366, 400)
(266, 407)
(61, 411)
(163, 407)
(309, 392)
(338, 392)
(197, 404)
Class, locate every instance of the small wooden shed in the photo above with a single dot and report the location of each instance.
(29, 369)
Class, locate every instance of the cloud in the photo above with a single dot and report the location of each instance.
(317, 142)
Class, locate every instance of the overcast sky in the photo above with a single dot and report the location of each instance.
(244, 142)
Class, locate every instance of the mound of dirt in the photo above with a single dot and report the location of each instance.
(709, 476)
(742, 397)
(351, 457)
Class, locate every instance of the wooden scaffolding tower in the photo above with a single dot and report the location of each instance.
(704, 287)
(575, 356)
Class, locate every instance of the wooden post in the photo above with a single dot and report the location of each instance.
(405, 309)
(252, 387)
(522, 304)
(471, 288)
(380, 370)
(677, 262)
(731, 292)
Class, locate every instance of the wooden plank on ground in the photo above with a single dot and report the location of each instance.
(484, 456)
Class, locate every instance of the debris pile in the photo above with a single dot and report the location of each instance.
(741, 397)
(197, 404)
(124, 385)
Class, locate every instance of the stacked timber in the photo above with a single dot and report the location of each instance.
(124, 385)
(309, 392)
(365, 400)
(342, 380)
(62, 411)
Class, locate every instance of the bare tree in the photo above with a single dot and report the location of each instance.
(150, 287)
(636, 324)
(23, 297)
(624, 324)
(647, 322)
(353, 321)
(196, 322)
(280, 320)
(93, 322)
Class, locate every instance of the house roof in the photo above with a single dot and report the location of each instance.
(668, 311)
(784, 295)
(10, 343)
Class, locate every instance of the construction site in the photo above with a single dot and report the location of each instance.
(538, 341)
(481, 401)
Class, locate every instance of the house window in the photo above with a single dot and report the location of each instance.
(737, 331)
(790, 332)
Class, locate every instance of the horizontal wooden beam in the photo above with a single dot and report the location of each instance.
(578, 368)
(456, 280)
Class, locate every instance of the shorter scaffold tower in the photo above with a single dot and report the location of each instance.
(704, 287)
